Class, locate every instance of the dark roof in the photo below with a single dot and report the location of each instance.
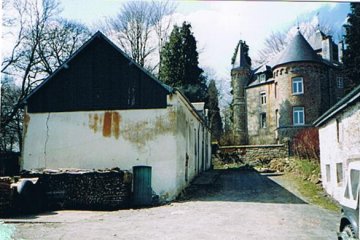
(98, 34)
(262, 68)
(240, 60)
(298, 50)
(256, 83)
(348, 100)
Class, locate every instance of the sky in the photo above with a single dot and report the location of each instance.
(219, 25)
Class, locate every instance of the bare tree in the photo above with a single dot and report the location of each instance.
(42, 43)
(10, 134)
(136, 24)
(161, 25)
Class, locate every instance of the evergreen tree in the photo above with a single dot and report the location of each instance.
(179, 67)
(171, 71)
(214, 111)
(352, 39)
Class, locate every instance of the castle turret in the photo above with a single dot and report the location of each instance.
(240, 74)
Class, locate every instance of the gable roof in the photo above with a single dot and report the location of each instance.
(348, 100)
(98, 34)
(298, 50)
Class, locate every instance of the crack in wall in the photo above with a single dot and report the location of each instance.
(46, 139)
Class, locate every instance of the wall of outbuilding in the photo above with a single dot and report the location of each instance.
(339, 145)
(118, 138)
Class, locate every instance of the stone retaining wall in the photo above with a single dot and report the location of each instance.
(254, 153)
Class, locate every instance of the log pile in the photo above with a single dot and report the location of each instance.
(5, 195)
(84, 189)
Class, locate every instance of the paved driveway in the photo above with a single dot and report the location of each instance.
(228, 204)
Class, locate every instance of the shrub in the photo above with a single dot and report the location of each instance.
(305, 144)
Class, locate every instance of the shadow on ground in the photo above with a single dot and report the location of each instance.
(239, 185)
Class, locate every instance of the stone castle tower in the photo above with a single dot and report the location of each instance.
(274, 102)
(240, 76)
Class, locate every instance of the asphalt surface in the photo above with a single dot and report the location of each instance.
(227, 204)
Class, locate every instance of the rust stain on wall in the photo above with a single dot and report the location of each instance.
(26, 123)
(107, 124)
(116, 124)
(93, 121)
(143, 131)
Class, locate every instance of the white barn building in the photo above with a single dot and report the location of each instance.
(102, 110)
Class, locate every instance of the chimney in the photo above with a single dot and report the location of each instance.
(327, 50)
(340, 51)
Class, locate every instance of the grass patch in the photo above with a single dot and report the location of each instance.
(304, 175)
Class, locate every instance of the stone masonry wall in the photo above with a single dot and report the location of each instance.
(96, 190)
(254, 153)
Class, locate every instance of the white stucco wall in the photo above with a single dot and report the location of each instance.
(193, 145)
(123, 138)
(339, 143)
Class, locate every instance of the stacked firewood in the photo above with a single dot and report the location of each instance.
(80, 189)
(5, 195)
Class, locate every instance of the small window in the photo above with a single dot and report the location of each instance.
(298, 116)
(263, 97)
(297, 86)
(276, 85)
(339, 172)
(263, 120)
(328, 177)
(277, 118)
(354, 177)
(262, 78)
(340, 82)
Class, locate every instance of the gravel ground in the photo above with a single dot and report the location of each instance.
(222, 204)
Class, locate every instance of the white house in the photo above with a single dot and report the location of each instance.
(102, 110)
(339, 134)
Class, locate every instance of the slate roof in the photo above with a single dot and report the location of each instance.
(348, 100)
(298, 50)
(240, 60)
(98, 34)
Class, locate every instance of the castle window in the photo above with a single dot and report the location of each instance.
(298, 116)
(339, 173)
(339, 82)
(262, 78)
(263, 97)
(263, 120)
(297, 85)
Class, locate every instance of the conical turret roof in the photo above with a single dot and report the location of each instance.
(240, 59)
(298, 50)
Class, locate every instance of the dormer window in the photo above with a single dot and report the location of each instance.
(262, 77)
(339, 82)
(297, 86)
